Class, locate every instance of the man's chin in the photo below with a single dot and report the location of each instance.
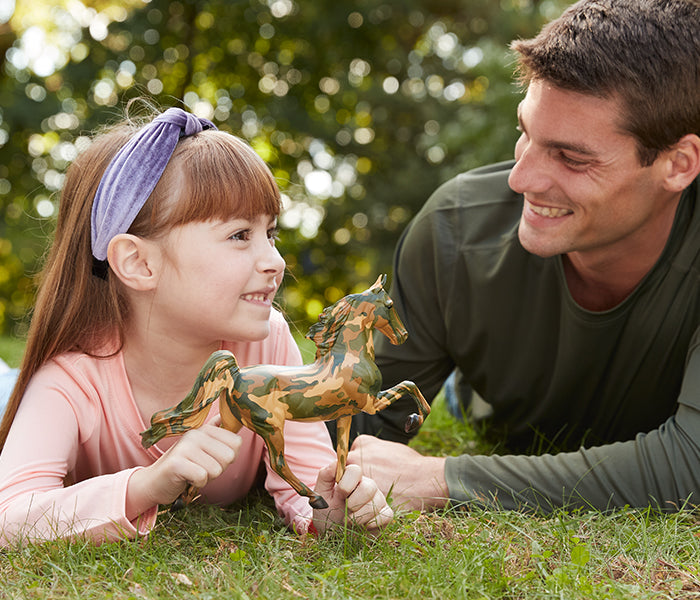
(538, 246)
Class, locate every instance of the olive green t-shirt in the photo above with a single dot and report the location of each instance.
(555, 374)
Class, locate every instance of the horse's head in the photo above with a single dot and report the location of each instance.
(385, 318)
(372, 308)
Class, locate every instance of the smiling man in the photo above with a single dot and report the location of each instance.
(564, 286)
(586, 196)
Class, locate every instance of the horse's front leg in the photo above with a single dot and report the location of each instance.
(341, 447)
(387, 397)
(275, 446)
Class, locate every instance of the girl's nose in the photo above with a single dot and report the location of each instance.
(271, 260)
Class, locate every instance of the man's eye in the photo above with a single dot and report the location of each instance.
(572, 162)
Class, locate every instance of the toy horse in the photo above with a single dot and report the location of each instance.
(342, 381)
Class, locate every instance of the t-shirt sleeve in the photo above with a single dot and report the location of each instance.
(39, 453)
(660, 468)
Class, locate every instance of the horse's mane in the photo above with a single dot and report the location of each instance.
(324, 332)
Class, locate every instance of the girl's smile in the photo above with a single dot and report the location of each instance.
(220, 278)
(263, 298)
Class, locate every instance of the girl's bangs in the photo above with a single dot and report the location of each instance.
(222, 178)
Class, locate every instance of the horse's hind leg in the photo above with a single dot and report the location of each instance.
(228, 419)
(275, 446)
(219, 373)
(169, 422)
(189, 414)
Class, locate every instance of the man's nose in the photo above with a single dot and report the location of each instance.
(529, 174)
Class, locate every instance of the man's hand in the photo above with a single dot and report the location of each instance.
(354, 499)
(413, 481)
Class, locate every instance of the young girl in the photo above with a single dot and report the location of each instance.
(164, 252)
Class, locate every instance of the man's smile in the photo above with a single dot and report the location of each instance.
(549, 211)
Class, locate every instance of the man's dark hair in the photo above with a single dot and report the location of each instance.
(644, 52)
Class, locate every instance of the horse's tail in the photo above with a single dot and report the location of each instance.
(216, 375)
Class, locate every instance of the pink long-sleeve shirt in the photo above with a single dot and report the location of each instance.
(78, 418)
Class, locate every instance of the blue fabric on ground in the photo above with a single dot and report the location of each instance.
(7, 383)
(456, 404)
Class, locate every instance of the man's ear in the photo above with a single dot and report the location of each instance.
(135, 261)
(682, 163)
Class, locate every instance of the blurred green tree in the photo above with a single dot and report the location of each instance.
(360, 108)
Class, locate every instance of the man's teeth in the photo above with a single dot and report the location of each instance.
(547, 211)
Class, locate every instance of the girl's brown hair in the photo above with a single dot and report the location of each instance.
(210, 175)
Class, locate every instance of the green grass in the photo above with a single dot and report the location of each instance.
(244, 551)
(11, 350)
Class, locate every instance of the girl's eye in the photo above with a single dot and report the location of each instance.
(273, 234)
(243, 235)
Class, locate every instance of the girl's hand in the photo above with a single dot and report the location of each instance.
(354, 499)
(200, 456)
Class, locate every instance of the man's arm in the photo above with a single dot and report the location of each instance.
(659, 469)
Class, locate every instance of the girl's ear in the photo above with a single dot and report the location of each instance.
(683, 163)
(135, 261)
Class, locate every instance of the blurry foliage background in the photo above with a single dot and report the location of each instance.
(360, 108)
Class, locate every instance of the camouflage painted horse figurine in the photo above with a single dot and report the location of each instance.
(342, 381)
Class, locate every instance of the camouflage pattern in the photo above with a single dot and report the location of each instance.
(342, 381)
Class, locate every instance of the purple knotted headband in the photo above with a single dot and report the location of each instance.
(134, 172)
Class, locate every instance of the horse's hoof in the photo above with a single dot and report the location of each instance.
(413, 422)
(318, 502)
(179, 504)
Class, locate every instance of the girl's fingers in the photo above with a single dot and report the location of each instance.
(350, 480)
(202, 455)
(194, 474)
(366, 504)
(325, 481)
(218, 443)
(363, 494)
(374, 515)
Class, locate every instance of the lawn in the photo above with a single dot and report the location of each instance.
(244, 551)
(11, 350)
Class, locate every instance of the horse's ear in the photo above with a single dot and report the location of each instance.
(381, 280)
(318, 326)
